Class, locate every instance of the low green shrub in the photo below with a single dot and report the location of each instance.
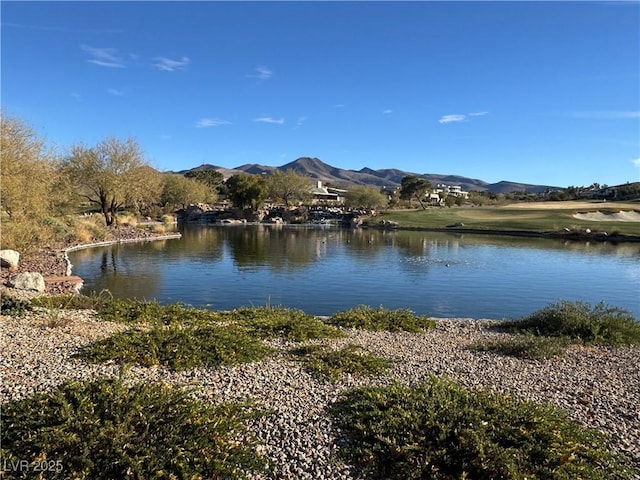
(601, 324)
(367, 318)
(14, 307)
(151, 312)
(177, 347)
(524, 346)
(332, 364)
(440, 430)
(104, 430)
(73, 302)
(271, 322)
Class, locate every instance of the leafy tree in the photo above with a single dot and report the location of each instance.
(148, 191)
(178, 190)
(413, 187)
(27, 171)
(450, 200)
(31, 192)
(365, 197)
(210, 177)
(247, 191)
(288, 186)
(109, 175)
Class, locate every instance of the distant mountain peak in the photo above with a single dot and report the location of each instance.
(387, 177)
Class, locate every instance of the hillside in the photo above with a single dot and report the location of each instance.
(388, 177)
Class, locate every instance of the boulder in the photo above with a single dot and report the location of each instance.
(9, 258)
(27, 281)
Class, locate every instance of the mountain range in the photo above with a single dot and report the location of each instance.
(387, 177)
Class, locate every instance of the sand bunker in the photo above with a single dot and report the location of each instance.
(621, 216)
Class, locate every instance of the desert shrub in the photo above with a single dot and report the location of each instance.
(104, 430)
(333, 364)
(90, 228)
(126, 220)
(524, 346)
(159, 229)
(151, 312)
(271, 322)
(440, 430)
(72, 302)
(601, 324)
(367, 318)
(14, 307)
(177, 347)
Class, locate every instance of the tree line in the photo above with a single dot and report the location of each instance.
(40, 186)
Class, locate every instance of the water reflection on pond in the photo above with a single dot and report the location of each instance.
(323, 270)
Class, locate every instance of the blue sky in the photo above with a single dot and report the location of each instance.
(540, 92)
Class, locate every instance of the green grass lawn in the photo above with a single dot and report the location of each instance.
(542, 217)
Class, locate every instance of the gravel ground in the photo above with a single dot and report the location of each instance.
(599, 387)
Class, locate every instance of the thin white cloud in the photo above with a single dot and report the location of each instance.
(262, 73)
(165, 64)
(46, 28)
(477, 114)
(278, 121)
(104, 57)
(301, 120)
(607, 114)
(115, 92)
(211, 122)
(453, 118)
(387, 111)
(339, 105)
(636, 162)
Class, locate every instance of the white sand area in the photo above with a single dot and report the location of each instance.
(621, 216)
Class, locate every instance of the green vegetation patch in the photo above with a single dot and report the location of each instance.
(550, 217)
(367, 318)
(178, 347)
(601, 324)
(333, 364)
(272, 322)
(13, 307)
(72, 302)
(440, 430)
(524, 346)
(151, 312)
(105, 430)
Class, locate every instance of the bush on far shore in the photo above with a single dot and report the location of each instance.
(579, 321)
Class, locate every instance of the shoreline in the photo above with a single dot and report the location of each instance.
(599, 387)
(572, 236)
(54, 262)
(69, 266)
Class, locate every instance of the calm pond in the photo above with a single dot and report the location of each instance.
(322, 270)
